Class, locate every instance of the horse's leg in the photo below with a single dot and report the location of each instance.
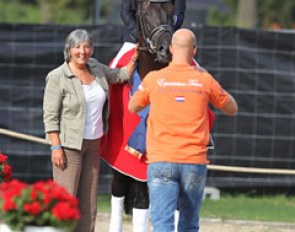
(116, 221)
(140, 210)
(120, 186)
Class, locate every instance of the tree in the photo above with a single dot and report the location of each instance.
(51, 11)
(247, 14)
(16, 12)
(70, 11)
(223, 18)
(268, 13)
(272, 11)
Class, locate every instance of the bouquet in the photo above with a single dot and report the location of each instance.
(5, 169)
(44, 203)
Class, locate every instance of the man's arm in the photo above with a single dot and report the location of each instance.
(133, 107)
(231, 107)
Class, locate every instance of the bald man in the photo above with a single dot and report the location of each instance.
(178, 134)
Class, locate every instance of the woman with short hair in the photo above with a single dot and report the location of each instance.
(76, 110)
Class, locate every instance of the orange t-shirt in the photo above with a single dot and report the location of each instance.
(178, 122)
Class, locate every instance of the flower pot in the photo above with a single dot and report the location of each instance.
(5, 228)
(24, 210)
(42, 229)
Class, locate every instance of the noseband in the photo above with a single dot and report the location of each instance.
(150, 42)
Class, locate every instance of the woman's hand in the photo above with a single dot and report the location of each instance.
(135, 55)
(57, 152)
(133, 62)
(58, 158)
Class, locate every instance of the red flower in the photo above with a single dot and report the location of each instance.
(64, 211)
(5, 169)
(9, 204)
(43, 203)
(7, 172)
(10, 191)
(3, 158)
(33, 208)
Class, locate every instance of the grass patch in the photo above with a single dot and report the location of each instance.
(104, 203)
(239, 207)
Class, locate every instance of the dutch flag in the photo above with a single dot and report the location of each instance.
(180, 99)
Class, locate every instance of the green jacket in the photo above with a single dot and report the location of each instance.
(64, 104)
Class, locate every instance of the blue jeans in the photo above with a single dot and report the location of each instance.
(172, 186)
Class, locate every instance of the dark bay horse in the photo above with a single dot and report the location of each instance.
(154, 20)
(154, 26)
(155, 29)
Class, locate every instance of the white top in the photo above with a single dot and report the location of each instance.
(95, 99)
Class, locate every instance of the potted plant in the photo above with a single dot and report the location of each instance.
(5, 169)
(23, 207)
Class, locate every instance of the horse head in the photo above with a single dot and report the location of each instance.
(155, 19)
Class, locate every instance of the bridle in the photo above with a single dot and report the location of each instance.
(150, 37)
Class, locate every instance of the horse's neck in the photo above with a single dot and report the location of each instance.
(146, 64)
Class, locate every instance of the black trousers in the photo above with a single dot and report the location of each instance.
(135, 192)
